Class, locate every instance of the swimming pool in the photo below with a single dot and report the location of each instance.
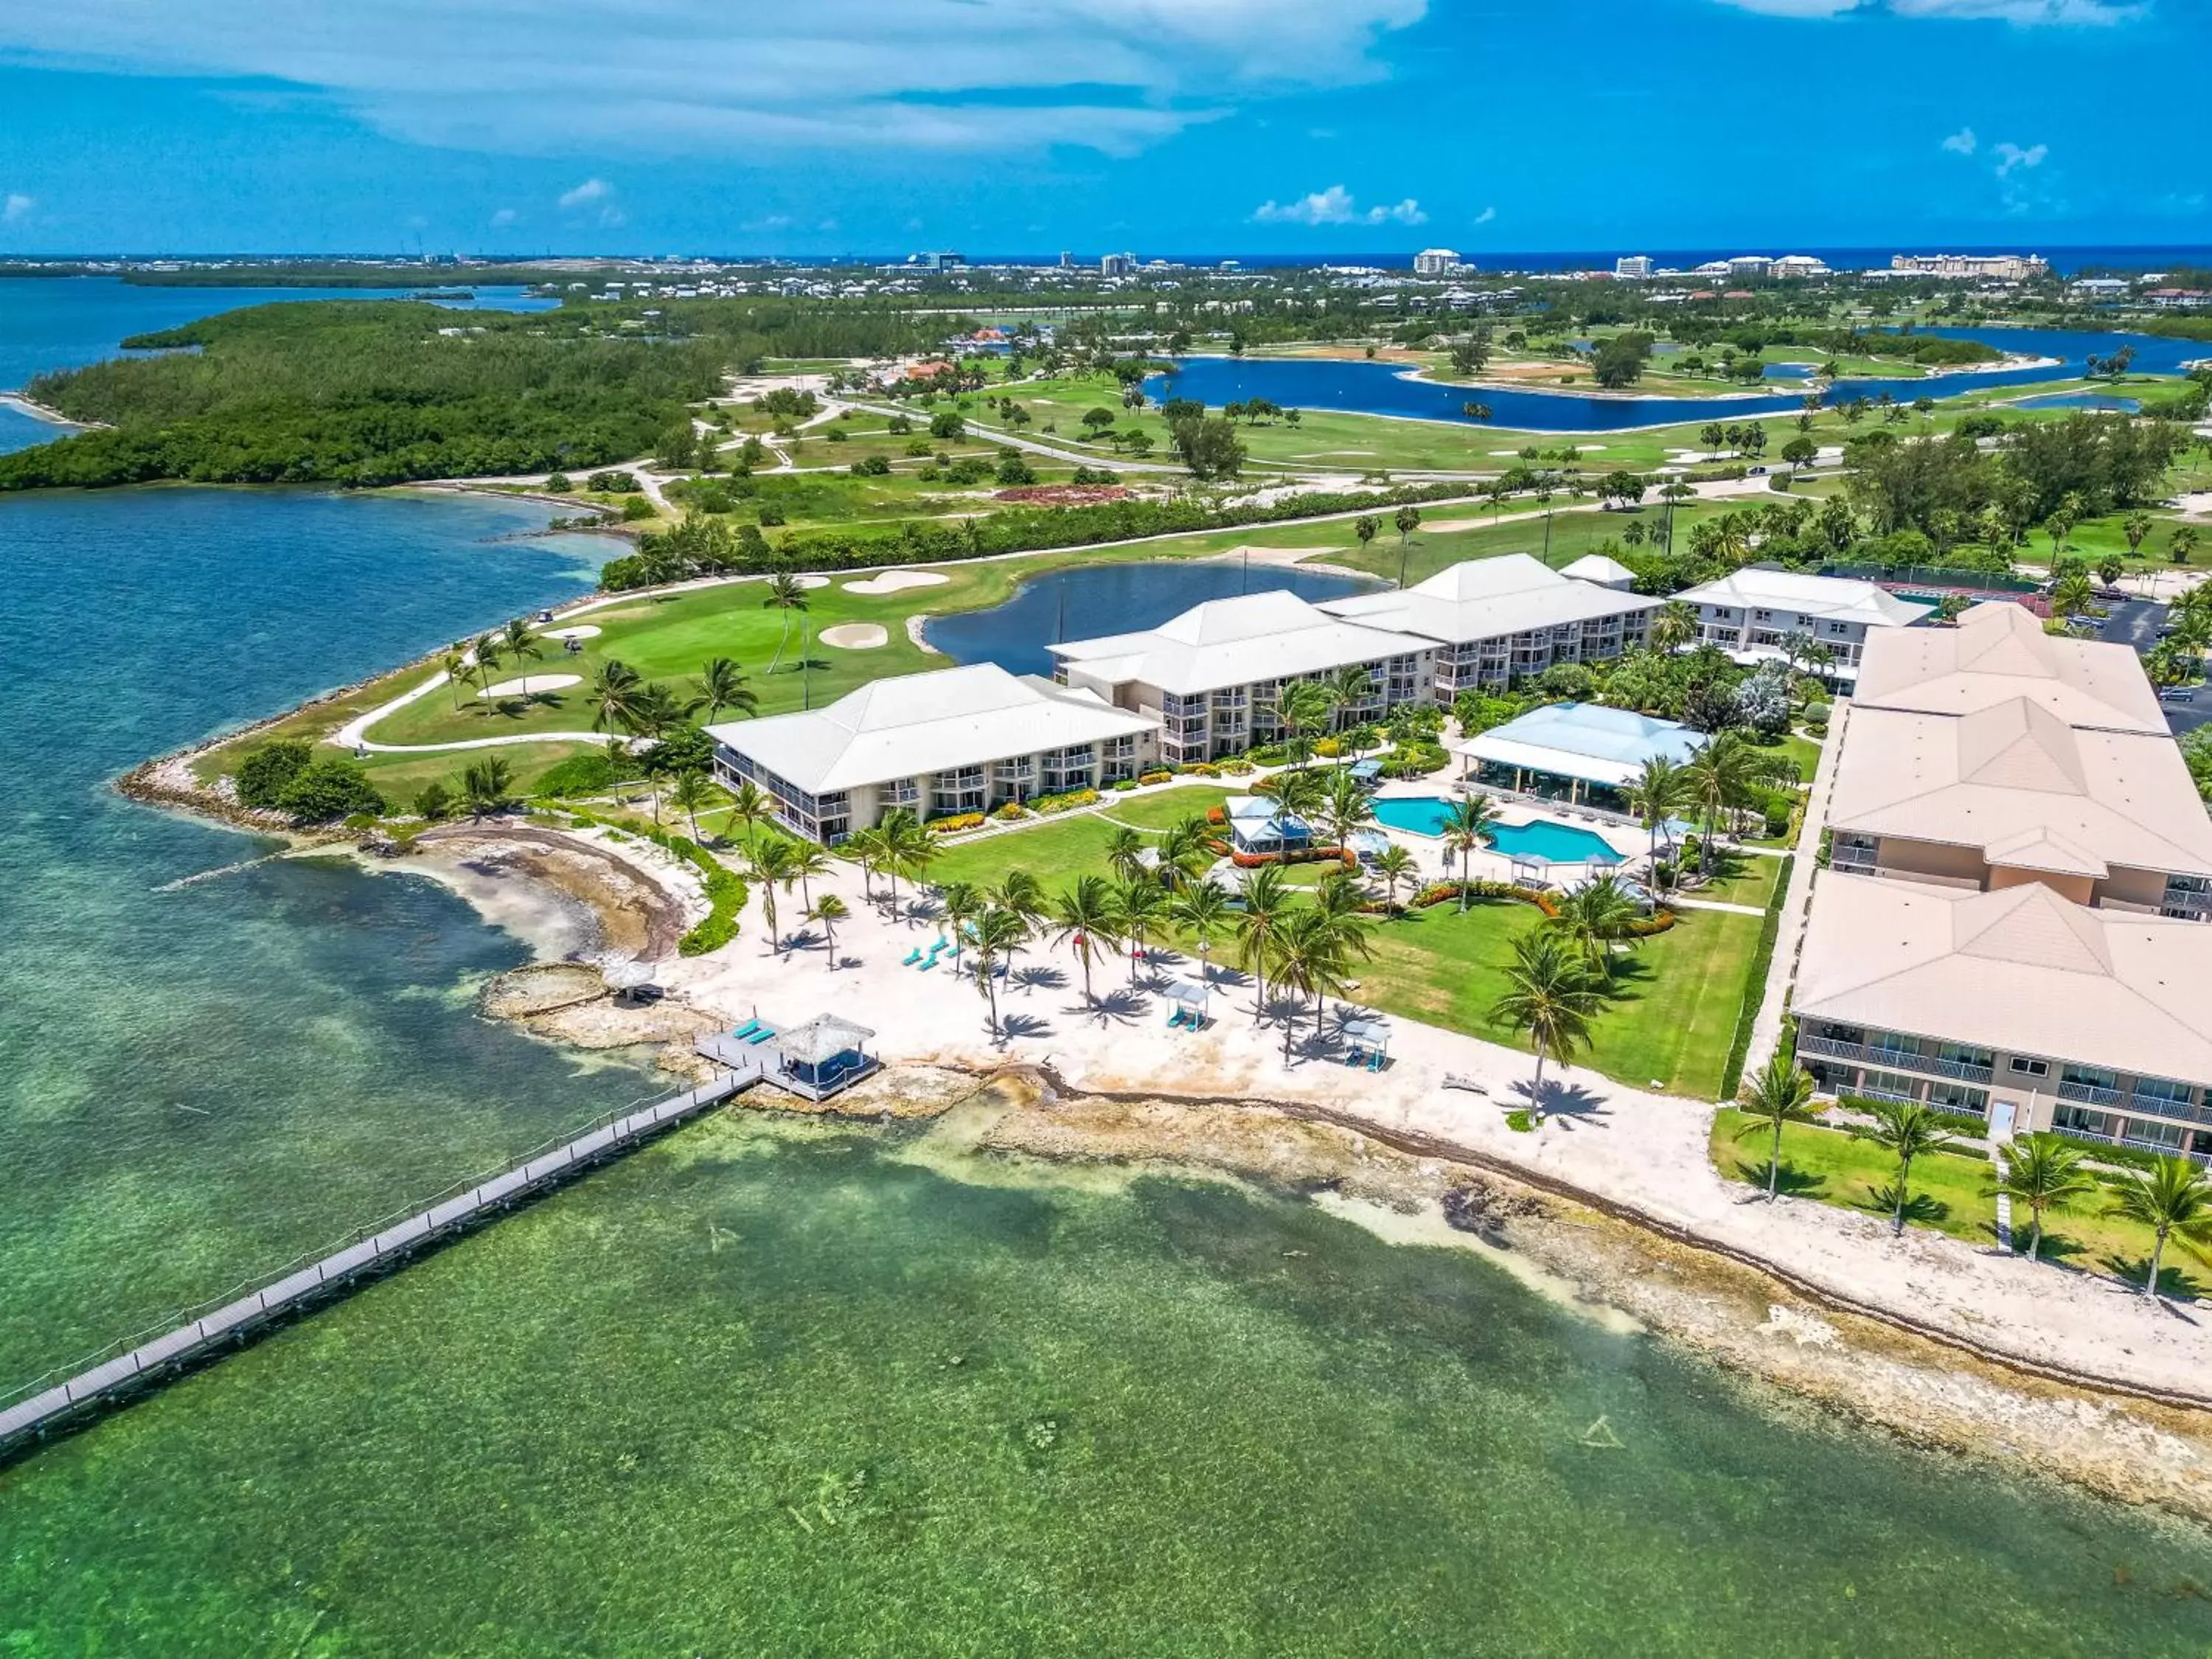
(1542, 840)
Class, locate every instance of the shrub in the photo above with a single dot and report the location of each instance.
(558, 483)
(615, 484)
(579, 774)
(1158, 774)
(1236, 769)
(1267, 754)
(434, 801)
(635, 508)
(1816, 714)
(1199, 769)
(266, 772)
(1217, 815)
(1448, 891)
(1296, 855)
(1072, 798)
(1012, 813)
(329, 789)
(1122, 786)
(953, 823)
(1328, 748)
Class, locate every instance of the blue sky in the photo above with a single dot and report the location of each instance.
(681, 126)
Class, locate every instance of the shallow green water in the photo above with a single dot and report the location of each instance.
(773, 1391)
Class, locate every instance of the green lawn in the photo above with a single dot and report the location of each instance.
(1950, 1193)
(1057, 850)
(1739, 877)
(1673, 1014)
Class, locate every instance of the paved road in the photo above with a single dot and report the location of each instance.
(2133, 623)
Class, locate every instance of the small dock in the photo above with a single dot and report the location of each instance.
(24, 1424)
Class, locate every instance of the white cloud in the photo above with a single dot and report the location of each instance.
(2025, 13)
(591, 190)
(1485, 216)
(504, 217)
(679, 77)
(1961, 143)
(15, 207)
(2012, 155)
(1335, 206)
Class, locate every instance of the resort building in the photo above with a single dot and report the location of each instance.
(2017, 857)
(1578, 752)
(1210, 677)
(1604, 572)
(2017, 1003)
(1435, 262)
(952, 741)
(1494, 621)
(1749, 612)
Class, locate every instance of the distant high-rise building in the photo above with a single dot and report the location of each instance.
(1435, 262)
(1066, 260)
(1117, 264)
(1750, 265)
(943, 261)
(1634, 266)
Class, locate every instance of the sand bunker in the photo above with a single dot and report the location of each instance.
(892, 581)
(854, 636)
(530, 684)
(810, 582)
(578, 631)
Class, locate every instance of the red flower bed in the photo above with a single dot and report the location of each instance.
(1064, 495)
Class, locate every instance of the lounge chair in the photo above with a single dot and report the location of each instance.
(745, 1031)
(1175, 1015)
(1375, 1061)
(911, 957)
(760, 1036)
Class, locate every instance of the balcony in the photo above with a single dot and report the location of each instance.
(2089, 1094)
(1894, 1059)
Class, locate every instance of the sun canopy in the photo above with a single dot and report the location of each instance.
(821, 1038)
(1188, 993)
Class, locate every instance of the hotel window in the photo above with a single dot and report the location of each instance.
(1762, 616)
(2090, 1077)
(1963, 1053)
(1958, 1097)
(2157, 1092)
(2024, 1067)
(2158, 1135)
(2083, 1120)
(1889, 1085)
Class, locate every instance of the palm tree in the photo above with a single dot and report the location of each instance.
(752, 805)
(1302, 708)
(486, 652)
(1141, 905)
(1267, 903)
(785, 594)
(2173, 1198)
(1548, 999)
(1022, 894)
(1346, 689)
(622, 762)
(865, 848)
(829, 910)
(721, 685)
(1467, 823)
(692, 790)
(908, 842)
(1087, 915)
(616, 689)
(1656, 794)
(1300, 794)
(1187, 847)
(1593, 916)
(808, 860)
(1367, 527)
(997, 934)
(1906, 1129)
(1781, 1093)
(1201, 908)
(1307, 953)
(1345, 807)
(1674, 626)
(766, 864)
(2046, 1174)
(1409, 519)
(1394, 866)
(1124, 850)
(960, 902)
(516, 641)
(1719, 776)
(484, 784)
(2070, 595)
(456, 665)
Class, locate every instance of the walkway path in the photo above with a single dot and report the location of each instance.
(1797, 902)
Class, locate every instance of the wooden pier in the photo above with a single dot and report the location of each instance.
(150, 1364)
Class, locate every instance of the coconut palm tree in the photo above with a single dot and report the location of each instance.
(1187, 847)
(1674, 626)
(1303, 709)
(829, 910)
(1550, 1000)
(752, 805)
(1467, 823)
(1367, 527)
(722, 685)
(1349, 687)
(1396, 865)
(1299, 794)
(2173, 1198)
(1141, 905)
(960, 902)
(1905, 1129)
(1780, 1092)
(1125, 851)
(2071, 594)
(485, 651)
(808, 860)
(1022, 894)
(1308, 954)
(456, 665)
(616, 690)
(2047, 1175)
(1594, 916)
(1267, 903)
(485, 785)
(1201, 908)
(1658, 794)
(1087, 915)
(997, 934)
(516, 641)
(904, 836)
(865, 848)
(1720, 777)
(692, 790)
(769, 864)
(783, 593)
(1345, 807)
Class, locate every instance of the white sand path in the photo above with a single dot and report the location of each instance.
(1632, 1149)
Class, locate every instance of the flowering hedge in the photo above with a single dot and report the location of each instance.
(1012, 813)
(1216, 815)
(1155, 776)
(1296, 855)
(952, 824)
(1068, 802)
(1446, 891)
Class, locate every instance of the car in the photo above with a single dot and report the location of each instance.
(2177, 693)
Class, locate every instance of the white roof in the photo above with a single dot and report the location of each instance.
(2018, 969)
(1583, 740)
(1597, 567)
(1830, 598)
(2018, 782)
(1483, 599)
(910, 724)
(1226, 642)
(1999, 651)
